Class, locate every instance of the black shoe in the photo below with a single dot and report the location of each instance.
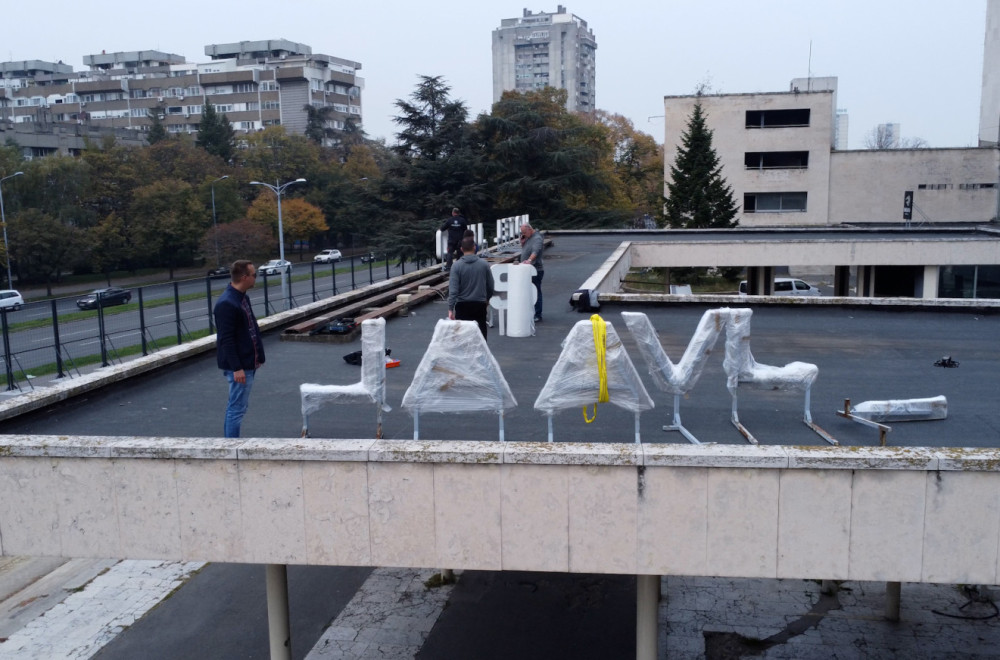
(538, 319)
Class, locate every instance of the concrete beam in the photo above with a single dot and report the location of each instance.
(843, 513)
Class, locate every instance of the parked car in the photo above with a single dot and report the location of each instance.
(11, 299)
(110, 296)
(221, 271)
(787, 286)
(275, 267)
(328, 257)
(368, 258)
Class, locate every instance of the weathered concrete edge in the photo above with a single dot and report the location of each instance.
(70, 387)
(491, 452)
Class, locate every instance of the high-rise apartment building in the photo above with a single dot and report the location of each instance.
(546, 49)
(254, 83)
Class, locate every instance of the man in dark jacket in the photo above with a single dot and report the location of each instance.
(470, 287)
(239, 348)
(455, 226)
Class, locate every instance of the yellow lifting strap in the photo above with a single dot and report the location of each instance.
(600, 345)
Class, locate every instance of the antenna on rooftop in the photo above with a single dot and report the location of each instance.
(809, 68)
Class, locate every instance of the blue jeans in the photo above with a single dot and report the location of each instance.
(537, 281)
(239, 399)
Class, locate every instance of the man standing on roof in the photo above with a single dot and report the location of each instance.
(532, 246)
(470, 287)
(455, 226)
(238, 344)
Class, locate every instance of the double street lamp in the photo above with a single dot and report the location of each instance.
(3, 219)
(277, 189)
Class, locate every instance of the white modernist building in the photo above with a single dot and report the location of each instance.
(546, 49)
(778, 152)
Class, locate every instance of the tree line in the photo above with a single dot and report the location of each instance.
(116, 208)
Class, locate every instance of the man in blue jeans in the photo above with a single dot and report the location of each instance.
(239, 348)
(532, 247)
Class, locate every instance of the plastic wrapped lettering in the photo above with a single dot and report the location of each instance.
(679, 378)
(903, 410)
(457, 374)
(743, 371)
(371, 389)
(575, 382)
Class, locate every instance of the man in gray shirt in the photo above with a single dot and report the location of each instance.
(470, 287)
(532, 247)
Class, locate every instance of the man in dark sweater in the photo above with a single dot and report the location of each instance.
(238, 344)
(470, 287)
(455, 226)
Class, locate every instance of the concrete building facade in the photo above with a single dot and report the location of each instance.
(546, 49)
(254, 83)
(778, 152)
(989, 108)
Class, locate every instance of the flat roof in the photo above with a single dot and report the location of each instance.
(862, 354)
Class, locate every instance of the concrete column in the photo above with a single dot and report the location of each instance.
(866, 281)
(892, 592)
(842, 280)
(277, 612)
(647, 589)
(930, 289)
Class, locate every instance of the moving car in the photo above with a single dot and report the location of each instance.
(110, 296)
(11, 299)
(787, 286)
(328, 257)
(220, 271)
(275, 267)
(368, 258)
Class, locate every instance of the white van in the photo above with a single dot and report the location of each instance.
(787, 286)
(11, 299)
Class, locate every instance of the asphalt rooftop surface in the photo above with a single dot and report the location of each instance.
(861, 354)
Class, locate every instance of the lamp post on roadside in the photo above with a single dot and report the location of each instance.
(215, 227)
(3, 220)
(277, 189)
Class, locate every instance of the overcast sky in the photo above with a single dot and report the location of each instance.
(913, 62)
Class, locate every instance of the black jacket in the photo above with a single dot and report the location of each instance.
(238, 344)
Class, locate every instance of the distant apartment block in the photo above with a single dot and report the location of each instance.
(254, 83)
(546, 49)
(989, 108)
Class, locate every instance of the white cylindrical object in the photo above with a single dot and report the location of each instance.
(520, 300)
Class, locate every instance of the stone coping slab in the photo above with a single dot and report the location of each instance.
(510, 453)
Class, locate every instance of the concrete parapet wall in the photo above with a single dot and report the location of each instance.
(887, 514)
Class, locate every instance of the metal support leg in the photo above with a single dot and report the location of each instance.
(638, 439)
(500, 415)
(807, 418)
(647, 589)
(742, 429)
(416, 423)
(550, 428)
(277, 612)
(677, 425)
(892, 592)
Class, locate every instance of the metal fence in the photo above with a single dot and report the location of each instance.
(56, 337)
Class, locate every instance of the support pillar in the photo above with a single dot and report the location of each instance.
(842, 280)
(866, 281)
(647, 589)
(930, 287)
(892, 591)
(760, 280)
(277, 612)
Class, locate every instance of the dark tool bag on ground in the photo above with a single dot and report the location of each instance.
(585, 300)
(337, 327)
(355, 357)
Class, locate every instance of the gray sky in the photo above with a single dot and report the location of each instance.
(913, 62)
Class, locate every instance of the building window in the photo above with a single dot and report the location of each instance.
(776, 160)
(969, 282)
(244, 88)
(270, 105)
(975, 186)
(269, 86)
(783, 202)
(777, 118)
(934, 186)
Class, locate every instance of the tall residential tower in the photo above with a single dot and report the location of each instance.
(546, 49)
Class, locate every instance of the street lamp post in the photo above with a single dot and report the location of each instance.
(215, 227)
(277, 189)
(3, 220)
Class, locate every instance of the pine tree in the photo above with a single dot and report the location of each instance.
(698, 197)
